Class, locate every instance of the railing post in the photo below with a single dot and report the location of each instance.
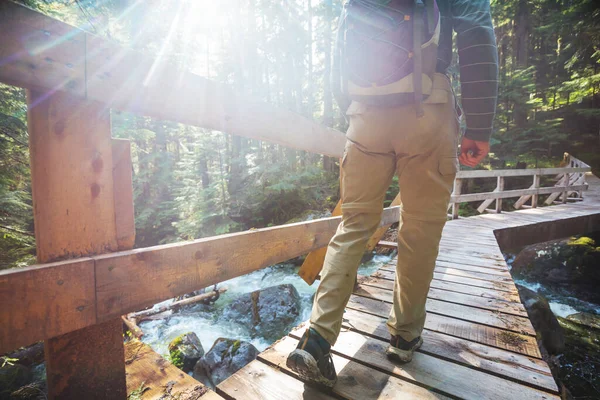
(74, 215)
(564, 193)
(535, 197)
(500, 188)
(457, 191)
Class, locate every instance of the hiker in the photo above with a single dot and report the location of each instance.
(403, 119)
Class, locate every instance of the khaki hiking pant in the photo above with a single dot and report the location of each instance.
(423, 152)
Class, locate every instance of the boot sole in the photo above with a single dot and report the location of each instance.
(305, 365)
(404, 356)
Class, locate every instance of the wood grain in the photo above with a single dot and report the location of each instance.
(259, 381)
(74, 216)
(355, 381)
(72, 196)
(508, 322)
(449, 296)
(149, 373)
(129, 281)
(45, 301)
(424, 370)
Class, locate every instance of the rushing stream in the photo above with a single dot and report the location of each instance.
(208, 321)
(564, 276)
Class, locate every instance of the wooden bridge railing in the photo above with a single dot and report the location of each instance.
(82, 194)
(88, 275)
(571, 181)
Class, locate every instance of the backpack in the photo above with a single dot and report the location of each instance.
(388, 51)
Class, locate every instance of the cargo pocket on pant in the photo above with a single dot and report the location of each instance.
(448, 166)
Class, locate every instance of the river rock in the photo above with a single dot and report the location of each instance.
(543, 320)
(185, 351)
(569, 265)
(269, 312)
(587, 319)
(225, 357)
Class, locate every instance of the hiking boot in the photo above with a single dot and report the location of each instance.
(312, 359)
(401, 350)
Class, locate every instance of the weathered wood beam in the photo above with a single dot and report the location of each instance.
(128, 281)
(485, 173)
(465, 198)
(40, 52)
(74, 214)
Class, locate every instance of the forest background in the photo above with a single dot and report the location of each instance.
(191, 182)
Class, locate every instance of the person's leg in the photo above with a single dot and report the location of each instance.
(426, 180)
(366, 172)
(365, 178)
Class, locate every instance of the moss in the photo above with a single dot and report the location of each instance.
(582, 241)
(511, 339)
(175, 355)
(235, 347)
(176, 358)
(138, 393)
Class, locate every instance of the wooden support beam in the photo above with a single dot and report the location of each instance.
(536, 185)
(129, 281)
(40, 52)
(566, 189)
(457, 191)
(465, 198)
(74, 216)
(500, 187)
(486, 173)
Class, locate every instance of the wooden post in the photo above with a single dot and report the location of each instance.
(74, 214)
(566, 183)
(535, 197)
(500, 189)
(457, 190)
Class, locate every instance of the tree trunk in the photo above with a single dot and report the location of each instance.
(328, 162)
(521, 48)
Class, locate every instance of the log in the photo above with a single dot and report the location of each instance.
(177, 304)
(131, 324)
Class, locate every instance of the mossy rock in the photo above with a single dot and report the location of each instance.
(565, 265)
(224, 358)
(185, 350)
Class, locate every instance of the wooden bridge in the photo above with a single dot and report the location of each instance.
(479, 342)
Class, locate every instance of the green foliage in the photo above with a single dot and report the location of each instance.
(17, 246)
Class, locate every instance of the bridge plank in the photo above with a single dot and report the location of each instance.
(453, 297)
(498, 286)
(156, 378)
(476, 315)
(451, 287)
(355, 380)
(259, 381)
(425, 368)
(365, 321)
(390, 273)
